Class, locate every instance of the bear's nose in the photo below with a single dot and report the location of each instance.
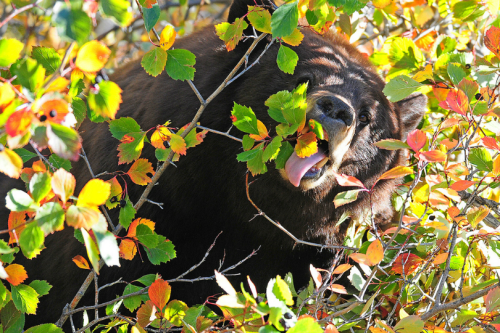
(336, 108)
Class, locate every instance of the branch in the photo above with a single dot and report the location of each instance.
(226, 134)
(18, 11)
(490, 220)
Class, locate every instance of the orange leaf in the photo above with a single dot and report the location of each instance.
(454, 214)
(18, 122)
(16, 225)
(450, 193)
(63, 184)
(440, 258)
(396, 172)
(17, 274)
(178, 144)
(342, 268)
(374, 329)
(263, 133)
(306, 145)
(159, 293)
(490, 143)
(133, 226)
(160, 135)
(457, 169)
(456, 101)
(375, 253)
(408, 261)
(330, 328)
(81, 262)
(337, 288)
(440, 93)
(462, 185)
(432, 156)
(82, 217)
(167, 37)
(149, 3)
(345, 180)
(360, 258)
(316, 276)
(54, 109)
(38, 166)
(139, 171)
(449, 123)
(146, 314)
(128, 249)
(416, 139)
(92, 56)
(492, 39)
(439, 201)
(94, 193)
(496, 166)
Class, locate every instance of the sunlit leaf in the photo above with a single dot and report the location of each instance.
(476, 215)
(400, 87)
(146, 314)
(92, 250)
(81, 262)
(17, 274)
(416, 140)
(63, 184)
(105, 101)
(410, 324)
(462, 185)
(94, 193)
(284, 20)
(432, 156)
(231, 33)
(260, 18)
(344, 198)
(224, 283)
(10, 163)
(92, 56)
(307, 145)
(18, 122)
(154, 61)
(391, 144)
(10, 50)
(440, 258)
(139, 171)
(263, 133)
(492, 40)
(397, 172)
(159, 293)
(345, 180)
(130, 147)
(287, 59)
(167, 37)
(342, 268)
(408, 261)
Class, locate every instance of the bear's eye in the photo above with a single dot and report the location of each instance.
(364, 118)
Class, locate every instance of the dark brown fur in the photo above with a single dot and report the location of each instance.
(205, 193)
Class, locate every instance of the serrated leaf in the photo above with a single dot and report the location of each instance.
(255, 165)
(247, 142)
(400, 87)
(151, 16)
(284, 154)
(106, 100)
(16, 274)
(481, 159)
(287, 59)
(476, 215)
(345, 180)
(163, 253)
(10, 163)
(244, 119)
(154, 61)
(92, 56)
(295, 38)
(260, 19)
(285, 19)
(159, 293)
(25, 298)
(456, 73)
(81, 262)
(50, 217)
(118, 10)
(127, 213)
(146, 236)
(82, 217)
(92, 250)
(44, 328)
(10, 51)
(282, 292)
(180, 64)
(41, 287)
(272, 149)
(130, 147)
(307, 145)
(177, 144)
(31, 240)
(492, 40)
(47, 57)
(40, 186)
(124, 125)
(248, 155)
(133, 302)
(139, 171)
(64, 141)
(231, 33)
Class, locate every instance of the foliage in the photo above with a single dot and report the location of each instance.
(436, 270)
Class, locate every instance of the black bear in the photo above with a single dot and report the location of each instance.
(206, 194)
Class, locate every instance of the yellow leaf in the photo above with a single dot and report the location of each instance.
(17, 274)
(294, 38)
(94, 193)
(342, 268)
(178, 144)
(396, 172)
(476, 215)
(375, 252)
(10, 163)
(426, 74)
(92, 56)
(63, 184)
(262, 131)
(381, 3)
(167, 37)
(493, 6)
(306, 145)
(7, 95)
(160, 135)
(128, 249)
(496, 166)
(59, 84)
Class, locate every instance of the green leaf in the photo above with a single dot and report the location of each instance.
(456, 73)
(391, 144)
(133, 302)
(481, 159)
(287, 59)
(50, 217)
(73, 24)
(18, 201)
(11, 318)
(59, 162)
(180, 64)
(30, 74)
(260, 18)
(282, 292)
(147, 279)
(272, 149)
(31, 240)
(277, 103)
(231, 33)
(127, 213)
(108, 248)
(247, 142)
(79, 110)
(317, 128)
(246, 121)
(106, 100)
(25, 298)
(467, 11)
(151, 16)
(64, 141)
(248, 155)
(175, 312)
(25, 155)
(463, 316)
(349, 6)
(163, 253)
(5, 248)
(44, 328)
(40, 186)
(41, 287)
(444, 44)
(131, 149)
(10, 51)
(154, 61)
(47, 57)
(285, 19)
(284, 154)
(410, 324)
(308, 324)
(346, 197)
(405, 54)
(121, 126)
(92, 251)
(118, 10)
(400, 87)
(256, 165)
(146, 236)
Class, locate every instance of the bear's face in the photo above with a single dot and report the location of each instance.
(345, 96)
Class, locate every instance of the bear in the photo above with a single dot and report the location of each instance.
(205, 193)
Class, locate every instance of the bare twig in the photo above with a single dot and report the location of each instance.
(18, 11)
(226, 134)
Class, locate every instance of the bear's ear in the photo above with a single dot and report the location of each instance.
(412, 110)
(239, 8)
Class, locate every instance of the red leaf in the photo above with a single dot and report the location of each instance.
(17, 274)
(456, 101)
(416, 139)
(432, 156)
(345, 180)
(492, 40)
(449, 122)
(159, 293)
(462, 185)
(408, 261)
(17, 223)
(440, 93)
(490, 143)
(18, 122)
(139, 171)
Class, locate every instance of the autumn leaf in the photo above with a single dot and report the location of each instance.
(316, 276)
(476, 215)
(440, 258)
(128, 249)
(133, 226)
(492, 40)
(345, 180)
(224, 283)
(178, 144)
(496, 166)
(10, 163)
(130, 147)
(92, 56)
(18, 122)
(337, 288)
(408, 261)
(375, 252)
(432, 156)
(55, 110)
(381, 3)
(82, 217)
(94, 193)
(146, 314)
(16, 224)
(330, 328)
(17, 274)
(159, 136)
(106, 99)
(167, 37)
(260, 19)
(63, 184)
(416, 140)
(462, 185)
(139, 171)
(231, 33)
(81, 262)
(456, 101)
(306, 145)
(159, 293)
(397, 172)
(490, 143)
(262, 132)
(341, 268)
(294, 38)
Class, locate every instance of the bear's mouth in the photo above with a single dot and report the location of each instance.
(309, 168)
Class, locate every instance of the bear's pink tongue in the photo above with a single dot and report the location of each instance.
(297, 167)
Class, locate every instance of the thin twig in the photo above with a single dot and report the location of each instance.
(18, 11)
